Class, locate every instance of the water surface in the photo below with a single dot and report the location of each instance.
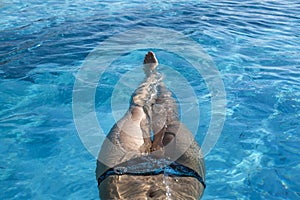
(255, 45)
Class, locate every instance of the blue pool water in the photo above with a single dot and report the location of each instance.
(254, 44)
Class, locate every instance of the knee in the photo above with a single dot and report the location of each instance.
(168, 137)
(137, 113)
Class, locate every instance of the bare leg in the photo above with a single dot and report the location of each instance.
(130, 136)
(145, 95)
(172, 137)
(164, 112)
(161, 109)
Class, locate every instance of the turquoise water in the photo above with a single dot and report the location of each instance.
(255, 45)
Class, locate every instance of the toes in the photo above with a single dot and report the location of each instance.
(151, 55)
(150, 58)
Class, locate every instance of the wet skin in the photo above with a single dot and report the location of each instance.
(153, 109)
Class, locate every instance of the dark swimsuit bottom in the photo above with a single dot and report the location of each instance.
(174, 169)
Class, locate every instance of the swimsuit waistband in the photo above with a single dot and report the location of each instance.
(173, 169)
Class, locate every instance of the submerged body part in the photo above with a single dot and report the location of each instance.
(172, 164)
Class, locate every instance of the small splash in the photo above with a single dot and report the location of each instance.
(120, 170)
(166, 182)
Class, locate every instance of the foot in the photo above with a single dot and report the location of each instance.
(150, 61)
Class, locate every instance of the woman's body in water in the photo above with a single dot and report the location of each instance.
(129, 147)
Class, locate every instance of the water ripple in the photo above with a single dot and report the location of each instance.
(254, 44)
